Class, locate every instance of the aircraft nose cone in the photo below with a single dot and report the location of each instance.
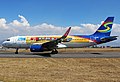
(3, 44)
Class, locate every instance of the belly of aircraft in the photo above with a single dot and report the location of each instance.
(79, 45)
(68, 44)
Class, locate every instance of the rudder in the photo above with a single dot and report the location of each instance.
(105, 28)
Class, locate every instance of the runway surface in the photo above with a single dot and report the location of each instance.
(62, 55)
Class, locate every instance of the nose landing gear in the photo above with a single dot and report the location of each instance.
(16, 51)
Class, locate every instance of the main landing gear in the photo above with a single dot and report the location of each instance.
(54, 51)
(16, 51)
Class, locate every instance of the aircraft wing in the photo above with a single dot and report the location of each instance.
(53, 44)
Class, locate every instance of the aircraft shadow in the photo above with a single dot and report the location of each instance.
(40, 54)
(97, 53)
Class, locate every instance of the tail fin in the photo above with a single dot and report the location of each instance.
(105, 28)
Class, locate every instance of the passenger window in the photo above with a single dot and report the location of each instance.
(8, 40)
(21, 39)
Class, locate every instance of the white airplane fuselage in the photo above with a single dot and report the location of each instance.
(26, 42)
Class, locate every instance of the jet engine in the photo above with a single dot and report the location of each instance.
(36, 48)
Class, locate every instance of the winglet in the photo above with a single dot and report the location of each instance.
(66, 33)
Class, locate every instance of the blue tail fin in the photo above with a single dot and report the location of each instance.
(105, 28)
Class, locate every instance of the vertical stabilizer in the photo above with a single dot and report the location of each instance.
(105, 28)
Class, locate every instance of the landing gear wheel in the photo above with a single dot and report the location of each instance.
(16, 51)
(54, 51)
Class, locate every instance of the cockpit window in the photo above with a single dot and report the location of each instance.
(8, 40)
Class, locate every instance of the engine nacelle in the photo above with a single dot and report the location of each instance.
(36, 48)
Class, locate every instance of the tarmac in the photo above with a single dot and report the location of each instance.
(61, 55)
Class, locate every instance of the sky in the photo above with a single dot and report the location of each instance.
(43, 17)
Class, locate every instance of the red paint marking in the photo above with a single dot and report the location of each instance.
(37, 38)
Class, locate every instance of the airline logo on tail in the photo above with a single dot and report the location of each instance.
(106, 26)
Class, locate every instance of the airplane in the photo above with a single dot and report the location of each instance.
(52, 43)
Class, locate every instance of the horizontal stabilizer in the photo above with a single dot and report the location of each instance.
(109, 38)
